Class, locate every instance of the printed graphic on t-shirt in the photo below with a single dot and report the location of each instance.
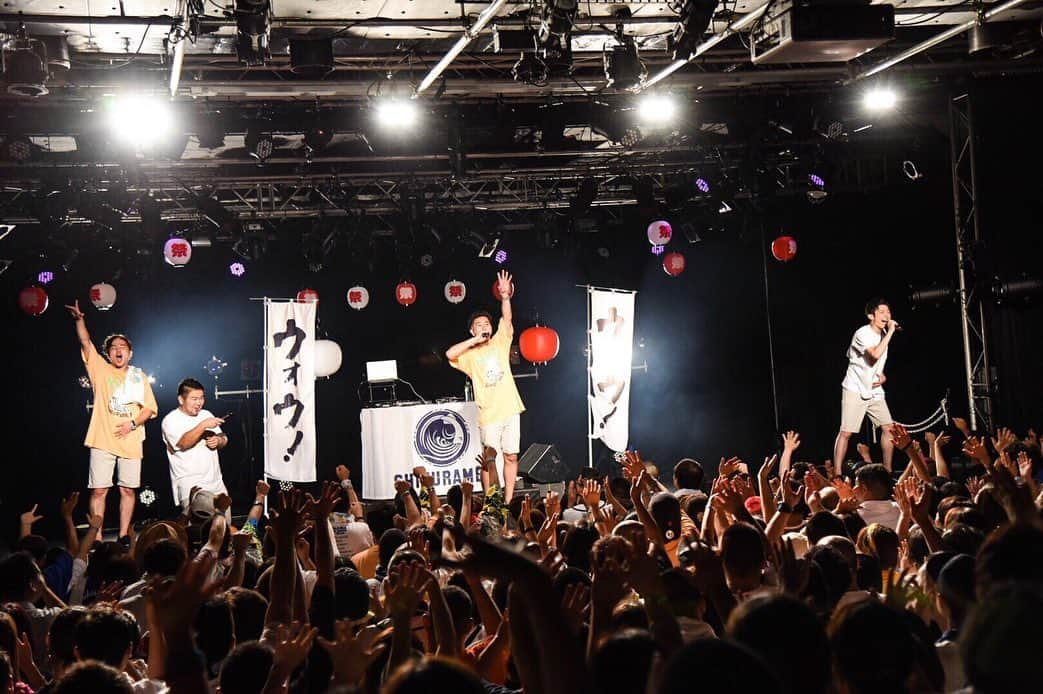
(493, 371)
(116, 404)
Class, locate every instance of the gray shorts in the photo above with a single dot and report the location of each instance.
(853, 409)
(504, 436)
(103, 464)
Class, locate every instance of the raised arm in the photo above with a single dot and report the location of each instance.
(81, 326)
(457, 350)
(284, 575)
(874, 353)
(354, 505)
(72, 540)
(191, 437)
(321, 509)
(503, 286)
(790, 443)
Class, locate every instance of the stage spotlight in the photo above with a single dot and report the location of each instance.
(253, 27)
(19, 148)
(210, 132)
(427, 260)
(215, 366)
(25, 65)
(556, 20)
(724, 207)
(931, 295)
(500, 257)
(656, 109)
(1022, 288)
(259, 143)
(147, 497)
(879, 99)
(397, 113)
(140, 121)
(695, 18)
(623, 66)
(658, 250)
(816, 192)
(318, 138)
(702, 185)
(237, 269)
(45, 277)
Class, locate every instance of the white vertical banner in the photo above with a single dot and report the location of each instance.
(611, 331)
(289, 371)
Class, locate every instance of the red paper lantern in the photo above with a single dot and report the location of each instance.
(784, 248)
(673, 264)
(496, 291)
(307, 296)
(539, 344)
(33, 300)
(405, 293)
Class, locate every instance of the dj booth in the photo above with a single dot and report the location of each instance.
(441, 436)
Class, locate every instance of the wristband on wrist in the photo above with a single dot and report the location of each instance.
(784, 507)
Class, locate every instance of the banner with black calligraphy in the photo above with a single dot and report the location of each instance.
(611, 333)
(289, 381)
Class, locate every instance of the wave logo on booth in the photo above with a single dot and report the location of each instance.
(441, 437)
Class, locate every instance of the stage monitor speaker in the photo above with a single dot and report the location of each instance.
(542, 464)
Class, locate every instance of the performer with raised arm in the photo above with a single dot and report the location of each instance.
(485, 358)
(863, 385)
(123, 402)
(193, 437)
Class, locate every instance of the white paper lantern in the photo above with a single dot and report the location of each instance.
(177, 251)
(327, 358)
(103, 296)
(660, 232)
(455, 291)
(358, 297)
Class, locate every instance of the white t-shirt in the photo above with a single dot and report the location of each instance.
(196, 467)
(861, 374)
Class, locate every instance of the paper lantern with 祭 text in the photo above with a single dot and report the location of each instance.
(405, 293)
(673, 264)
(784, 248)
(539, 344)
(496, 290)
(455, 291)
(660, 233)
(177, 251)
(33, 300)
(358, 297)
(327, 358)
(307, 296)
(103, 296)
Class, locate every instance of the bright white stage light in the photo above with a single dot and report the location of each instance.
(656, 109)
(397, 113)
(140, 121)
(880, 99)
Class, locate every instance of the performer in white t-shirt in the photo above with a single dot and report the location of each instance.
(193, 437)
(863, 387)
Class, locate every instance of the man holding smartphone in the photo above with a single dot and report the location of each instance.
(193, 437)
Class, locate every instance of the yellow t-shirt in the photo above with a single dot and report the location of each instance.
(489, 368)
(109, 411)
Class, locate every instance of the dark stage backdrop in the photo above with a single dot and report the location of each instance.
(707, 392)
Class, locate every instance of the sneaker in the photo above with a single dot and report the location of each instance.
(124, 540)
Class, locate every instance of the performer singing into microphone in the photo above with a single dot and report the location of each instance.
(863, 386)
(485, 358)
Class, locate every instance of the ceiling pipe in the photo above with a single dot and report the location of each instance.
(179, 54)
(727, 32)
(470, 34)
(939, 38)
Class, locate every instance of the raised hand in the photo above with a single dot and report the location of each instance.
(173, 604)
(74, 310)
(793, 572)
(632, 464)
(902, 496)
(222, 502)
(961, 424)
(352, 653)
(974, 447)
(732, 465)
(503, 284)
(406, 583)
(920, 502)
(288, 517)
(900, 436)
(1003, 439)
(29, 517)
(109, 592)
(764, 474)
(575, 605)
(321, 508)
(466, 488)
(401, 486)
(974, 486)
(552, 503)
(291, 651)
(939, 442)
(790, 441)
(547, 536)
(262, 488)
(69, 505)
(591, 494)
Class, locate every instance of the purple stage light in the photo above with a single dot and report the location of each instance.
(45, 277)
(816, 180)
(237, 269)
(703, 185)
(500, 257)
(658, 250)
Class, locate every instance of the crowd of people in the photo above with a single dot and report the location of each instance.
(791, 577)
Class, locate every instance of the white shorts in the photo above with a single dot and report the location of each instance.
(104, 463)
(853, 410)
(504, 436)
